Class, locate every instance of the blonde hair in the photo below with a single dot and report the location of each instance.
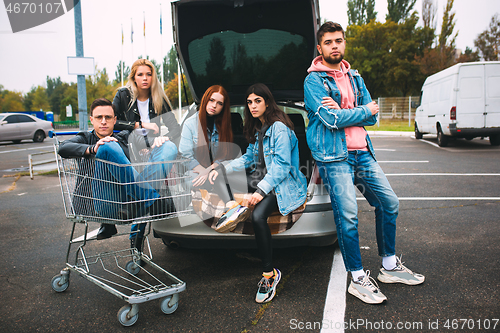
(157, 93)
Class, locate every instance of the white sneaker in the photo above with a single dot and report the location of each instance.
(366, 289)
(400, 274)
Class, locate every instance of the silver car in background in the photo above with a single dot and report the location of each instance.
(19, 126)
(236, 44)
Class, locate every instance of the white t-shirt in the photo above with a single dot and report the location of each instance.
(144, 112)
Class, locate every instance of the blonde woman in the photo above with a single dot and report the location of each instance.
(142, 108)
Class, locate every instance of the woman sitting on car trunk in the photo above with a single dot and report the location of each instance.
(272, 161)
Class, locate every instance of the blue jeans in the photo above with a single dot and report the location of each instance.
(340, 178)
(109, 193)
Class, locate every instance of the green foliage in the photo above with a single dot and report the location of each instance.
(447, 27)
(170, 65)
(97, 86)
(118, 73)
(10, 101)
(399, 10)
(360, 12)
(40, 100)
(488, 42)
(384, 54)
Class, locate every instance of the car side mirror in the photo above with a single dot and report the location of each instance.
(415, 105)
(3, 122)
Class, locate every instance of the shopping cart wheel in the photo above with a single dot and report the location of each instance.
(132, 267)
(124, 314)
(169, 304)
(60, 283)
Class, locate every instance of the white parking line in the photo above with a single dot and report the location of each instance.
(335, 303)
(442, 174)
(402, 162)
(23, 149)
(333, 314)
(431, 143)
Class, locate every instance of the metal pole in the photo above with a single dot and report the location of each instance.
(409, 112)
(82, 91)
(379, 112)
(179, 87)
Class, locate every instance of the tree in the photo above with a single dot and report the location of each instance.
(488, 42)
(447, 28)
(172, 92)
(469, 56)
(385, 53)
(429, 14)
(70, 98)
(118, 73)
(170, 65)
(98, 86)
(52, 84)
(399, 10)
(40, 100)
(11, 101)
(360, 12)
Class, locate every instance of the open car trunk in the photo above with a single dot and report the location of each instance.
(236, 43)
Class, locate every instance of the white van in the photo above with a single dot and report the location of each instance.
(462, 101)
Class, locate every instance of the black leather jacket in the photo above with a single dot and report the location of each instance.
(127, 115)
(77, 145)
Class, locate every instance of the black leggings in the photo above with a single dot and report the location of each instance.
(259, 216)
(262, 232)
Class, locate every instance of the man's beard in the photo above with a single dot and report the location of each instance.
(334, 61)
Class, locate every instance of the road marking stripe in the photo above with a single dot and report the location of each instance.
(403, 162)
(335, 303)
(439, 198)
(431, 143)
(442, 174)
(24, 149)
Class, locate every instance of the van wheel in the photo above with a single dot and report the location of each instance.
(495, 140)
(418, 135)
(442, 139)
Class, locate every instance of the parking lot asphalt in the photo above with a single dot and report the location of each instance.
(447, 230)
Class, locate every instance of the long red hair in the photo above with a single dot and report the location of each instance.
(223, 125)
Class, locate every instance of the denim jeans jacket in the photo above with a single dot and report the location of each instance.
(325, 132)
(189, 140)
(281, 155)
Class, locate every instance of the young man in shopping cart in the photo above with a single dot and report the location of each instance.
(106, 145)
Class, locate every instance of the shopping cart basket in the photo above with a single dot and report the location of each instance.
(95, 190)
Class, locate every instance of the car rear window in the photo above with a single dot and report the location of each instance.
(241, 59)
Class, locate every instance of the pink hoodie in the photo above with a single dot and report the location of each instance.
(355, 135)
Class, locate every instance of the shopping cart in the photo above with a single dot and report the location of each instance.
(95, 190)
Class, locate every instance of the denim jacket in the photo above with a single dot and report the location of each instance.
(325, 132)
(281, 155)
(189, 140)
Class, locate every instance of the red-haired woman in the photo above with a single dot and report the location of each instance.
(207, 141)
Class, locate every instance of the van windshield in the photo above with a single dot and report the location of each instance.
(234, 60)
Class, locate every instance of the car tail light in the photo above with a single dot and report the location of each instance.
(453, 113)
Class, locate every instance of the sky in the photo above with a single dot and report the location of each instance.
(27, 57)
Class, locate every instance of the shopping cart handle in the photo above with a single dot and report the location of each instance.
(52, 133)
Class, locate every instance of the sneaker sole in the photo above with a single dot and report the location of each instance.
(385, 278)
(355, 292)
(270, 298)
(231, 224)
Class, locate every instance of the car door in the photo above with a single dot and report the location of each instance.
(27, 126)
(9, 128)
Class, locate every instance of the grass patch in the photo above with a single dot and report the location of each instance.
(392, 125)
